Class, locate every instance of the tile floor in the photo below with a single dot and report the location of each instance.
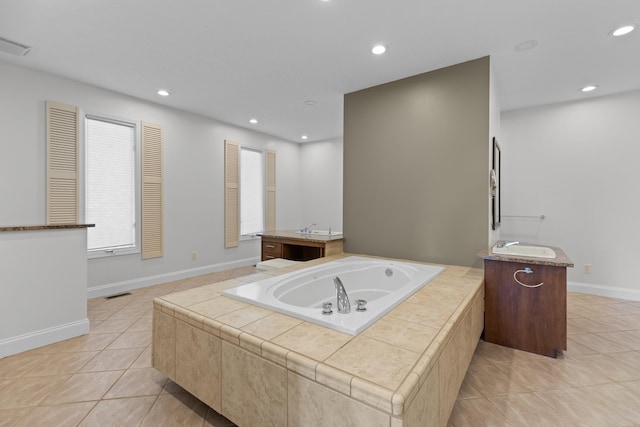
(105, 378)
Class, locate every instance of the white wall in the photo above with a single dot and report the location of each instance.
(577, 163)
(494, 132)
(193, 177)
(321, 179)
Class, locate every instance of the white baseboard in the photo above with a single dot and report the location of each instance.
(15, 345)
(604, 291)
(129, 285)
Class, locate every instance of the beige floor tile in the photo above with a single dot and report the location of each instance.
(58, 364)
(25, 392)
(478, 413)
(214, 419)
(629, 358)
(9, 417)
(83, 387)
(119, 412)
(627, 339)
(575, 349)
(489, 380)
(173, 410)
(597, 343)
(131, 339)
(111, 326)
(618, 398)
(138, 382)
(112, 360)
(578, 407)
(144, 360)
(16, 365)
(69, 414)
(602, 365)
(526, 409)
(143, 324)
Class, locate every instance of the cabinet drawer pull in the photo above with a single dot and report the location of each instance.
(527, 271)
(270, 246)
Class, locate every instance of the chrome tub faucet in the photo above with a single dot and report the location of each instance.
(344, 306)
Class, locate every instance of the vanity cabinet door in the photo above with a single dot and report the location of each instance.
(522, 315)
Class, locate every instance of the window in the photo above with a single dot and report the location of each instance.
(251, 192)
(110, 184)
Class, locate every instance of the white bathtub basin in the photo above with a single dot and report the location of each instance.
(526, 251)
(383, 283)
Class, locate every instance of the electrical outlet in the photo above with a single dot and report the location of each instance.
(194, 256)
(586, 269)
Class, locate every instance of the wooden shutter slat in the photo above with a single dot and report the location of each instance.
(152, 192)
(231, 194)
(271, 191)
(62, 139)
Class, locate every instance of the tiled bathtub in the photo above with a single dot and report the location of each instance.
(262, 368)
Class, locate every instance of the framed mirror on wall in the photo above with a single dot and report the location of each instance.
(494, 182)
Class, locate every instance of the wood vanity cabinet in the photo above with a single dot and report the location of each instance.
(293, 246)
(532, 319)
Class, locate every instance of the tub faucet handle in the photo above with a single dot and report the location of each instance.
(361, 303)
(326, 308)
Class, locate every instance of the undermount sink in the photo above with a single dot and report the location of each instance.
(526, 251)
(319, 233)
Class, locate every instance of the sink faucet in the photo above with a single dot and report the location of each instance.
(307, 229)
(506, 244)
(344, 306)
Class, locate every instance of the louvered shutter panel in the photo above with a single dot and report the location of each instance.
(271, 190)
(231, 194)
(152, 192)
(62, 129)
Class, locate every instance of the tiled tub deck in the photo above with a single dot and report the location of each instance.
(261, 368)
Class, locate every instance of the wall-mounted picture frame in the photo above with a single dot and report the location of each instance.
(495, 181)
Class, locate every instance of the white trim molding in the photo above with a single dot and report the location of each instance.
(143, 282)
(18, 344)
(604, 291)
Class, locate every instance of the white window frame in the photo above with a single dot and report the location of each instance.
(136, 124)
(263, 156)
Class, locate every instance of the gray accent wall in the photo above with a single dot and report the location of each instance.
(416, 166)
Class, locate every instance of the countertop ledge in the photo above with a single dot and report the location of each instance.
(45, 227)
(561, 259)
(293, 235)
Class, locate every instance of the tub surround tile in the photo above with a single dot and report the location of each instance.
(198, 367)
(244, 316)
(271, 326)
(401, 333)
(423, 408)
(192, 296)
(334, 378)
(282, 348)
(312, 404)
(361, 356)
(217, 307)
(372, 394)
(311, 340)
(164, 343)
(301, 365)
(249, 378)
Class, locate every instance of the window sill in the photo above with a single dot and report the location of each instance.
(112, 253)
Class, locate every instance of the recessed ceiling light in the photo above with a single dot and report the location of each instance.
(253, 121)
(379, 49)
(163, 92)
(622, 30)
(310, 102)
(589, 88)
(525, 45)
(304, 137)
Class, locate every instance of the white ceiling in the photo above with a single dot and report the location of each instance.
(233, 60)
